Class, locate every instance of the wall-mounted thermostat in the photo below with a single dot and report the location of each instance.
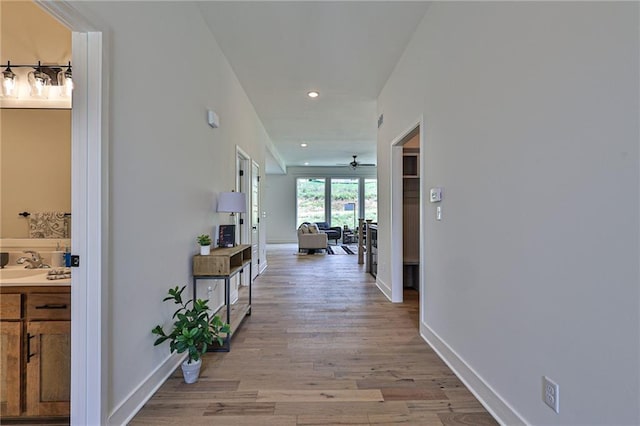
(435, 195)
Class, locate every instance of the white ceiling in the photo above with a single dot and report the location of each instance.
(344, 50)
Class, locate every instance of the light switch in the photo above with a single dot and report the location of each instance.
(435, 195)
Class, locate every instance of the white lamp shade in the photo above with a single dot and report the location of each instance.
(232, 202)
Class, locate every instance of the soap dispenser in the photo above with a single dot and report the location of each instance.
(67, 257)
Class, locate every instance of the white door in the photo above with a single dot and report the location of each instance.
(255, 220)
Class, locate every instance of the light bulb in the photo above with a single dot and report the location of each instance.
(39, 86)
(9, 82)
(65, 81)
(39, 82)
(8, 86)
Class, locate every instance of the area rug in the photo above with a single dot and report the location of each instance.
(342, 250)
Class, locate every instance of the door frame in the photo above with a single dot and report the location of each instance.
(396, 222)
(255, 173)
(243, 184)
(89, 207)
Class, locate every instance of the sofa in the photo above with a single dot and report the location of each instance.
(310, 238)
(333, 232)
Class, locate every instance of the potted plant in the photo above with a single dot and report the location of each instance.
(205, 244)
(193, 331)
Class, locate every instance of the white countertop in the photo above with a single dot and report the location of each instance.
(13, 276)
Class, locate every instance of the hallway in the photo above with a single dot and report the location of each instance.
(323, 346)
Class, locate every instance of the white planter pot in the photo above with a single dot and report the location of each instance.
(205, 250)
(191, 371)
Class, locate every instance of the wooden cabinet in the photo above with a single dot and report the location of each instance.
(35, 351)
(224, 263)
(48, 368)
(10, 362)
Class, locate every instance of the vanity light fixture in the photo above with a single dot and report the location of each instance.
(9, 82)
(40, 79)
(313, 94)
(65, 81)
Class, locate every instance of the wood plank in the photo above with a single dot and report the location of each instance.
(339, 408)
(320, 350)
(319, 395)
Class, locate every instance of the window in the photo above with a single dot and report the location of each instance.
(350, 199)
(371, 199)
(344, 202)
(310, 200)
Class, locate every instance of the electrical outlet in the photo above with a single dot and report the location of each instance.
(551, 394)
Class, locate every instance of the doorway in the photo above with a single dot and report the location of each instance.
(89, 206)
(407, 226)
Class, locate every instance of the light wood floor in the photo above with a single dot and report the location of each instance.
(323, 346)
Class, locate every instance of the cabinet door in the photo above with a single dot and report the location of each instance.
(48, 368)
(10, 368)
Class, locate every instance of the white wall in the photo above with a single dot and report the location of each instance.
(166, 167)
(531, 129)
(280, 198)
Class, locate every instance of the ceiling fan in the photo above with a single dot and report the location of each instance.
(355, 163)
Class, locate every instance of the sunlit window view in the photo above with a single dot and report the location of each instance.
(371, 199)
(345, 207)
(310, 195)
(344, 202)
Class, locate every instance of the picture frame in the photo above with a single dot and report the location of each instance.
(226, 236)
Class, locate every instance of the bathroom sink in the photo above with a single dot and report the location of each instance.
(16, 276)
(9, 274)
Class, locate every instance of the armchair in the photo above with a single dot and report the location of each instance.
(333, 232)
(311, 240)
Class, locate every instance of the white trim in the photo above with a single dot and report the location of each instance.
(128, 408)
(396, 196)
(384, 288)
(79, 353)
(396, 222)
(255, 167)
(263, 267)
(89, 166)
(87, 322)
(97, 248)
(488, 397)
(422, 287)
(243, 162)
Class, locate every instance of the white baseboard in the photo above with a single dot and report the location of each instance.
(128, 408)
(384, 288)
(499, 409)
(282, 241)
(263, 267)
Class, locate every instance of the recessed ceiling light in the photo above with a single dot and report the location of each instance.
(306, 163)
(304, 145)
(313, 94)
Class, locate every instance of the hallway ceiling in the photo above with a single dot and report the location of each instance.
(344, 50)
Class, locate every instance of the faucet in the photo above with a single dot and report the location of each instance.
(33, 262)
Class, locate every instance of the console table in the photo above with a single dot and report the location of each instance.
(225, 263)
